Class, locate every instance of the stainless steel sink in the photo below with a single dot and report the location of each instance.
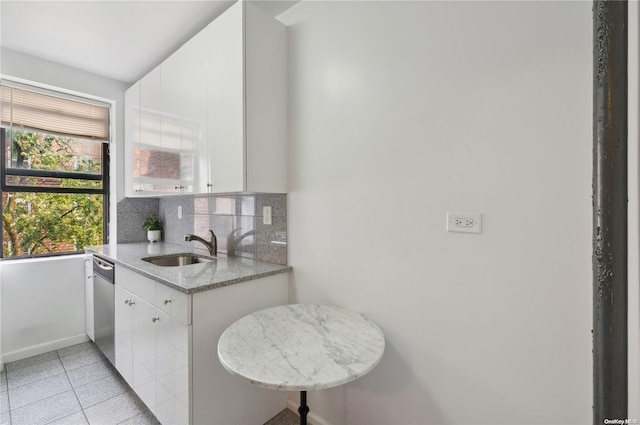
(174, 260)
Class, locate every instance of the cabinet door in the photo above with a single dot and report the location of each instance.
(172, 370)
(184, 124)
(225, 100)
(132, 140)
(195, 54)
(124, 333)
(157, 175)
(144, 351)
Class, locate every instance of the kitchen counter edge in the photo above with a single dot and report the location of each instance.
(165, 275)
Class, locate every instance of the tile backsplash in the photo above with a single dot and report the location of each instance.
(236, 220)
(131, 214)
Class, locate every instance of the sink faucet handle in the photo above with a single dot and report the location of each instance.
(213, 244)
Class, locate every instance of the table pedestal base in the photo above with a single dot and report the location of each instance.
(303, 409)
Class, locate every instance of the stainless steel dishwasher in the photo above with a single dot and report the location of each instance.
(103, 306)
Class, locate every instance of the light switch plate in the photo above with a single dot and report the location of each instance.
(266, 215)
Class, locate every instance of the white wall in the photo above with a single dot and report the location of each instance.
(402, 111)
(25, 281)
(43, 306)
(20, 65)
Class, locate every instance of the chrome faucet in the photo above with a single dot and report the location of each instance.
(233, 241)
(212, 245)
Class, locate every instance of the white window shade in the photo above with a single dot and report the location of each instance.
(32, 109)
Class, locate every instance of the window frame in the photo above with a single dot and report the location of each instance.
(104, 191)
(30, 172)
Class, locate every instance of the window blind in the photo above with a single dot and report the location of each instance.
(20, 107)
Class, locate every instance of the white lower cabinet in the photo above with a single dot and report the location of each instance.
(166, 349)
(152, 351)
(144, 351)
(172, 370)
(124, 333)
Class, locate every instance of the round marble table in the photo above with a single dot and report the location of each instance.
(301, 347)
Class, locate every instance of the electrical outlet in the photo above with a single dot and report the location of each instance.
(464, 222)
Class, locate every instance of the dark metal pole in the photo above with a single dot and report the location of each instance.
(609, 210)
(303, 409)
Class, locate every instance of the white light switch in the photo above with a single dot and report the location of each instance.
(266, 215)
(179, 212)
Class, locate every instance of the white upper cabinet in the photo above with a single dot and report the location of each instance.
(265, 67)
(154, 176)
(132, 129)
(195, 107)
(153, 157)
(225, 93)
(212, 117)
(184, 113)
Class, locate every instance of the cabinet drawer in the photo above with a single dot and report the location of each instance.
(174, 303)
(135, 283)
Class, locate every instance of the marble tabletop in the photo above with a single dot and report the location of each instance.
(301, 347)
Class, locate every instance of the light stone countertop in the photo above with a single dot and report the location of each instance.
(192, 278)
(301, 347)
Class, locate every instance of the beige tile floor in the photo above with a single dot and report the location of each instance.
(75, 386)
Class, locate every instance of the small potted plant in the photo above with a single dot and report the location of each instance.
(153, 226)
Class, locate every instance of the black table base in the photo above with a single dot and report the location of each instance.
(303, 409)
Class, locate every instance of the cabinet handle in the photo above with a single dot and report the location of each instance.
(129, 302)
(166, 301)
(155, 319)
(178, 187)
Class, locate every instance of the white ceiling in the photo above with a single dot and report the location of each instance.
(122, 40)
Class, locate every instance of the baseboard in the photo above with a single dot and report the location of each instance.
(43, 348)
(312, 417)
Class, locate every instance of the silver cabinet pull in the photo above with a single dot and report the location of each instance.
(155, 319)
(129, 302)
(166, 301)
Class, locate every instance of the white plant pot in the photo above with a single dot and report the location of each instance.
(154, 235)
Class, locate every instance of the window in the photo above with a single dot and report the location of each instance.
(54, 171)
